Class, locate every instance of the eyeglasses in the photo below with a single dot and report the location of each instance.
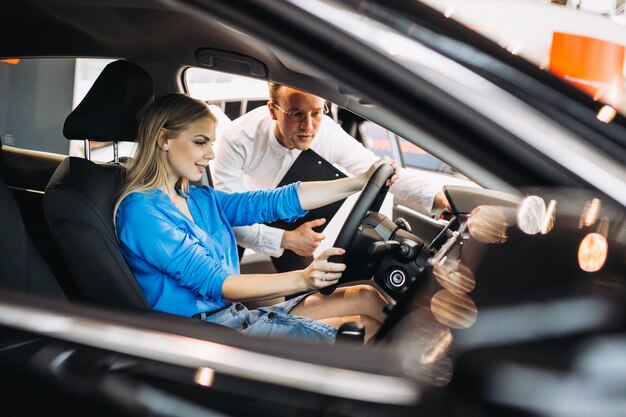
(299, 115)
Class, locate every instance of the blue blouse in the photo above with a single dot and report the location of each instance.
(180, 264)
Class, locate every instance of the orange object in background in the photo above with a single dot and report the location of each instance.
(593, 65)
(12, 61)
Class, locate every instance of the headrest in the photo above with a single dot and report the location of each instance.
(109, 110)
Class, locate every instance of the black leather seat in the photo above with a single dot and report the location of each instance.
(23, 268)
(79, 198)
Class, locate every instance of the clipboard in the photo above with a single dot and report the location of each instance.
(309, 166)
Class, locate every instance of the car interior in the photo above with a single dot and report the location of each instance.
(77, 198)
(24, 269)
(59, 245)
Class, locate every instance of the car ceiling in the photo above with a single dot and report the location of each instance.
(160, 36)
(141, 30)
(164, 37)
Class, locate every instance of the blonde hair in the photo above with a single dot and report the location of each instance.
(147, 169)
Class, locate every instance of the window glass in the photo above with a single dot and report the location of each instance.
(229, 96)
(416, 157)
(37, 95)
(234, 95)
(385, 143)
(87, 70)
(378, 139)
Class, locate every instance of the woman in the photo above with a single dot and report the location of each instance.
(179, 243)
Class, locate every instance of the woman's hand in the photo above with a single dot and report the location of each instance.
(314, 194)
(375, 165)
(322, 273)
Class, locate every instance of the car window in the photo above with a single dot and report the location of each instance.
(234, 95)
(379, 140)
(37, 95)
(385, 143)
(416, 157)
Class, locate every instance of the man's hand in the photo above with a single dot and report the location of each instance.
(303, 240)
(441, 202)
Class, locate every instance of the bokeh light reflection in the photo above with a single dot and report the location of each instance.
(590, 213)
(204, 376)
(453, 309)
(548, 223)
(441, 372)
(453, 275)
(531, 215)
(487, 224)
(438, 373)
(606, 114)
(592, 252)
(428, 342)
(603, 227)
(437, 347)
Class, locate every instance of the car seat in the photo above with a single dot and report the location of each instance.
(78, 202)
(23, 268)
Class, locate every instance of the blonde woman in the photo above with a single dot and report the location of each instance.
(179, 243)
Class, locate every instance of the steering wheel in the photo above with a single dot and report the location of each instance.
(371, 199)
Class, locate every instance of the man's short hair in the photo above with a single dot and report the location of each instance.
(274, 87)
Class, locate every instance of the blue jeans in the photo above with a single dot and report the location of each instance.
(273, 321)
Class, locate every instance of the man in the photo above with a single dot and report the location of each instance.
(259, 148)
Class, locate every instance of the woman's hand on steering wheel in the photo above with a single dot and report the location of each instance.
(381, 161)
(321, 273)
(371, 198)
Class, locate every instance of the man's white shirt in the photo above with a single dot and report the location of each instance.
(249, 157)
